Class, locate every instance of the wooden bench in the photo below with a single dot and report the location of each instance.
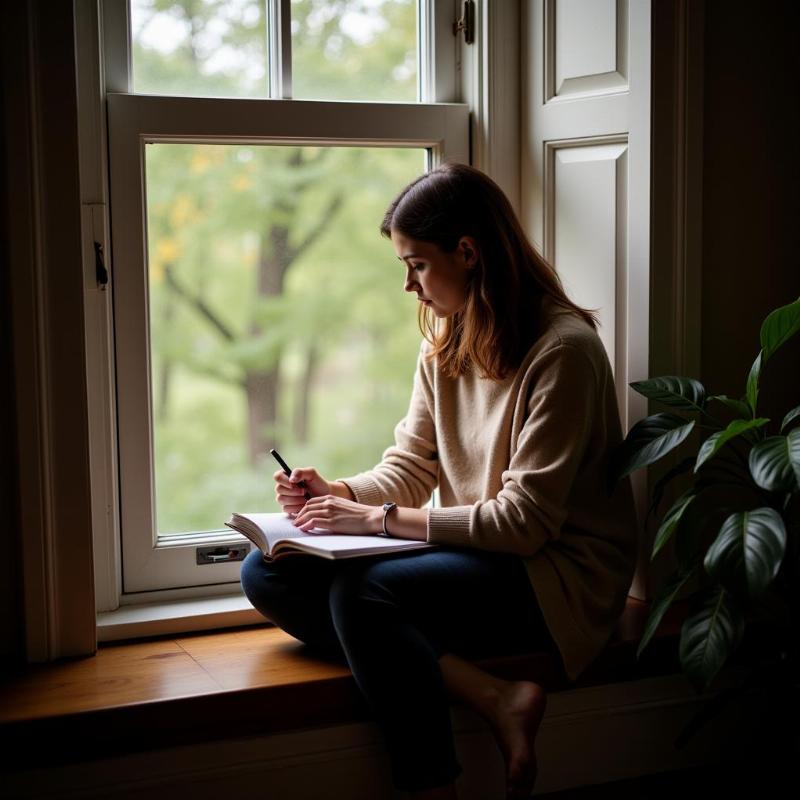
(145, 695)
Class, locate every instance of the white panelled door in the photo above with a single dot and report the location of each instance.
(586, 165)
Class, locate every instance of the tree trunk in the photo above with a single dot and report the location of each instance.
(303, 401)
(277, 254)
(262, 402)
(165, 372)
(263, 386)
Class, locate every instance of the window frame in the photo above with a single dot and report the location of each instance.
(102, 26)
(137, 120)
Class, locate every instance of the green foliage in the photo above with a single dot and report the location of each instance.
(737, 524)
(713, 629)
(747, 553)
(331, 61)
(714, 442)
(341, 49)
(649, 440)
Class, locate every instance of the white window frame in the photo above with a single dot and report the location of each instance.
(134, 121)
(485, 74)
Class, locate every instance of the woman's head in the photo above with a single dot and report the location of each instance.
(440, 279)
(488, 278)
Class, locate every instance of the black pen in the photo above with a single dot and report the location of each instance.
(288, 471)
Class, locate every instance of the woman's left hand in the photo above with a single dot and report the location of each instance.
(339, 516)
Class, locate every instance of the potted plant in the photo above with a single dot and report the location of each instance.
(735, 528)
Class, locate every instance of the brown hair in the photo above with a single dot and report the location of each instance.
(501, 318)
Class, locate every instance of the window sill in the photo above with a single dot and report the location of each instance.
(176, 616)
(201, 688)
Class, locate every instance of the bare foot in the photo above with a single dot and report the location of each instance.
(519, 713)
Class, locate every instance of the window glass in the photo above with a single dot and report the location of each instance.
(277, 319)
(214, 48)
(354, 50)
(341, 49)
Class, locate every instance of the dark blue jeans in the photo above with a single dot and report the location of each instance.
(392, 617)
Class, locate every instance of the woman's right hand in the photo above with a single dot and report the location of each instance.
(290, 495)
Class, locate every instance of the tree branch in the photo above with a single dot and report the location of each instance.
(199, 305)
(317, 230)
(211, 372)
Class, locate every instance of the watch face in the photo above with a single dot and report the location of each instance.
(387, 506)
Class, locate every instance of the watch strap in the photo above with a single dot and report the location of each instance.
(387, 507)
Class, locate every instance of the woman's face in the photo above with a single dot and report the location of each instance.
(439, 279)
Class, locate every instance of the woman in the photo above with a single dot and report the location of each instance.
(513, 415)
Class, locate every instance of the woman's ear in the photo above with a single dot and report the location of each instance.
(469, 249)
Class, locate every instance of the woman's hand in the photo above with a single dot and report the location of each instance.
(339, 516)
(290, 495)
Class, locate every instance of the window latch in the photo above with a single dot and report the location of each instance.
(221, 554)
(467, 22)
(101, 273)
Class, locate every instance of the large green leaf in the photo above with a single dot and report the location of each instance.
(748, 551)
(709, 635)
(726, 467)
(660, 606)
(718, 439)
(700, 522)
(790, 418)
(794, 451)
(648, 440)
(775, 462)
(739, 407)
(671, 390)
(779, 327)
(752, 383)
(671, 520)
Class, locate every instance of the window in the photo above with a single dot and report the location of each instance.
(252, 149)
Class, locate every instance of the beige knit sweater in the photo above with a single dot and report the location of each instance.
(521, 467)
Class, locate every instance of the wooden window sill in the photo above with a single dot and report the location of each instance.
(148, 694)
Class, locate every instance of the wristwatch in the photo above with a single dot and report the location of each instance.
(387, 507)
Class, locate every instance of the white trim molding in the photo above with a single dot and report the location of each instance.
(490, 85)
(98, 300)
(178, 617)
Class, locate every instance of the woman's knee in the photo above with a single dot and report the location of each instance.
(259, 579)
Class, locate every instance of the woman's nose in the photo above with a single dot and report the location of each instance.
(410, 283)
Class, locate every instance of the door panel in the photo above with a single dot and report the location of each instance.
(589, 228)
(585, 165)
(586, 46)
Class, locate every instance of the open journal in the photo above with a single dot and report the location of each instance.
(276, 536)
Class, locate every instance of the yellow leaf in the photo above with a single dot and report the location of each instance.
(156, 270)
(201, 161)
(182, 210)
(167, 250)
(241, 182)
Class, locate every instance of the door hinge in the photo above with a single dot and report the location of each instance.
(467, 22)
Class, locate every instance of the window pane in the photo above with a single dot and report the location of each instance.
(213, 48)
(277, 319)
(354, 50)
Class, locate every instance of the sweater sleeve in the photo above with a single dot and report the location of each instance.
(531, 507)
(409, 469)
